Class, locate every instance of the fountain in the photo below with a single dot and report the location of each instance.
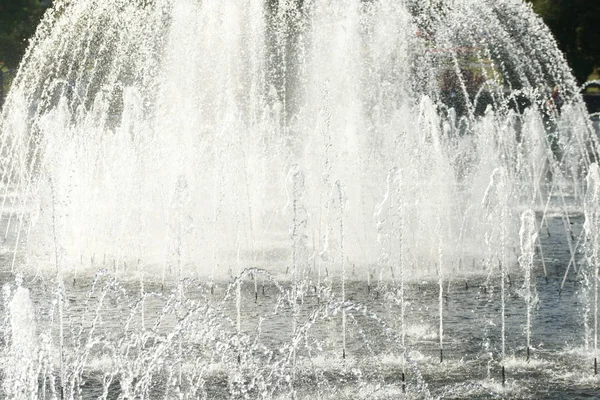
(392, 173)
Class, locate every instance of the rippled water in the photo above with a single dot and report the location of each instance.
(107, 349)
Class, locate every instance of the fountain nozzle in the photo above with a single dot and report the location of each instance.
(403, 383)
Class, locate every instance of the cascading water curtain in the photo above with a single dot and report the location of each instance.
(165, 129)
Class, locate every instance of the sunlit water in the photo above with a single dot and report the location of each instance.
(188, 345)
(286, 199)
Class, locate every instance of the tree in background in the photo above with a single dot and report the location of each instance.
(18, 21)
(576, 27)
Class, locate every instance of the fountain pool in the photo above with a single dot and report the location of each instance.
(297, 199)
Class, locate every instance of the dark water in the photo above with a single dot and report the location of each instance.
(188, 345)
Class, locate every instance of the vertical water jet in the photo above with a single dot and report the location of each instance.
(341, 199)
(592, 236)
(528, 235)
(60, 292)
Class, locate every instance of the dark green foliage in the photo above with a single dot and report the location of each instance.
(576, 27)
(18, 20)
